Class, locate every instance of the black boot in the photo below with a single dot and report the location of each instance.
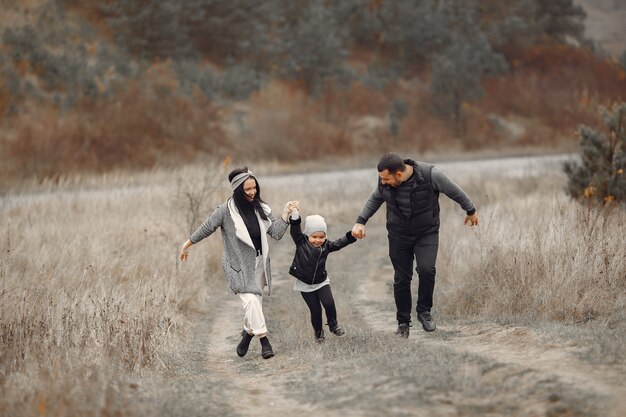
(266, 348)
(319, 336)
(242, 347)
(336, 329)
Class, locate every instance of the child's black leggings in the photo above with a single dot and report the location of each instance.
(315, 300)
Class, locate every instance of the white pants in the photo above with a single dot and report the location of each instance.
(254, 321)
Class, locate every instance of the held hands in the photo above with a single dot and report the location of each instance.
(289, 207)
(358, 231)
(472, 220)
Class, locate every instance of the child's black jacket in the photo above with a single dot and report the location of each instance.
(309, 262)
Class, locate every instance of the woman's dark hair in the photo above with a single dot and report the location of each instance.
(240, 197)
(391, 162)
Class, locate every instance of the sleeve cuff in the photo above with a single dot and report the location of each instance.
(350, 238)
(472, 211)
(361, 220)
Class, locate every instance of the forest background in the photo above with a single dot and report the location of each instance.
(136, 84)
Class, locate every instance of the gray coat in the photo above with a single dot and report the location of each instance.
(239, 257)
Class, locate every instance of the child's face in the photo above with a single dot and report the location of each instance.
(317, 239)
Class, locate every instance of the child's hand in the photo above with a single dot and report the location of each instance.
(287, 210)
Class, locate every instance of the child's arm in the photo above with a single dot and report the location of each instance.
(342, 242)
(296, 231)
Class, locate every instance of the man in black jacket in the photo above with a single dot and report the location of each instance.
(411, 190)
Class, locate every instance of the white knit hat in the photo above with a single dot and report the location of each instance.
(314, 223)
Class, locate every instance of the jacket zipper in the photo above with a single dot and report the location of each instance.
(317, 264)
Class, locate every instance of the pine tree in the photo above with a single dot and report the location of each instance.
(600, 175)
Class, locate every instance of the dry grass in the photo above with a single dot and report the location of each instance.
(538, 255)
(93, 300)
(91, 295)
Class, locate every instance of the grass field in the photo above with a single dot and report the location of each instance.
(98, 317)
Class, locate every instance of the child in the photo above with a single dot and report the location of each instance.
(309, 268)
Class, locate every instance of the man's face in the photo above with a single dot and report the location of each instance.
(387, 178)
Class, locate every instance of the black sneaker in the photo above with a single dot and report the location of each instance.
(242, 347)
(427, 321)
(266, 348)
(403, 330)
(319, 336)
(337, 331)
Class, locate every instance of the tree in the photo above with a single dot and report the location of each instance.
(600, 176)
(312, 47)
(149, 29)
(237, 30)
(415, 27)
(560, 19)
(458, 70)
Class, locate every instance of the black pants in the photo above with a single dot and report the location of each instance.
(402, 251)
(315, 300)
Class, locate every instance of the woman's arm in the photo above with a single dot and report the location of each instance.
(278, 227)
(205, 230)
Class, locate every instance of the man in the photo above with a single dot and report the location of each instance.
(411, 191)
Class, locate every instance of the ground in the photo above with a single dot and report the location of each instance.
(464, 368)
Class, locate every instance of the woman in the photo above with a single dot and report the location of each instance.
(245, 221)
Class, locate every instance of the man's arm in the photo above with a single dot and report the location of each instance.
(442, 183)
(371, 206)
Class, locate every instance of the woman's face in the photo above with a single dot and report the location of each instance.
(249, 189)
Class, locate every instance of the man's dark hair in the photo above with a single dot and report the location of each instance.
(391, 162)
(240, 196)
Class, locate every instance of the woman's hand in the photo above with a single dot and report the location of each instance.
(183, 251)
(288, 208)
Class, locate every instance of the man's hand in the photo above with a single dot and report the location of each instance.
(358, 231)
(472, 220)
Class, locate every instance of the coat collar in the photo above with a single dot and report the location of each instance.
(241, 229)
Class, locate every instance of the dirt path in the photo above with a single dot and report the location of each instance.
(519, 349)
(209, 379)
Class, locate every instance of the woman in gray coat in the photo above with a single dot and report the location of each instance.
(245, 221)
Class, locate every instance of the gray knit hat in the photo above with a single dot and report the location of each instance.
(314, 223)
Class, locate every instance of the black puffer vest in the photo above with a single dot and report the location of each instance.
(424, 217)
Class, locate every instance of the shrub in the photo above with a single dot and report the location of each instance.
(143, 126)
(601, 177)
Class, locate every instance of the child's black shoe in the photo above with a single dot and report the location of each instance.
(335, 329)
(319, 336)
(338, 331)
